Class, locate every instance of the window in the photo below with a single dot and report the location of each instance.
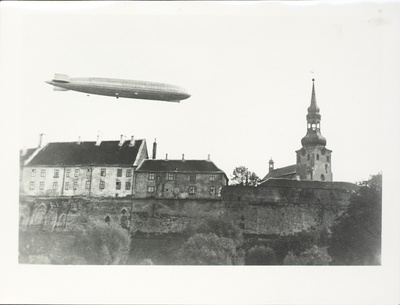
(41, 186)
(68, 173)
(328, 159)
(102, 185)
(76, 174)
(87, 185)
(192, 177)
(317, 156)
(55, 186)
(129, 172)
(66, 186)
(313, 126)
(127, 186)
(192, 190)
(32, 185)
(212, 190)
(43, 173)
(212, 177)
(308, 157)
(150, 189)
(326, 168)
(75, 186)
(322, 177)
(33, 173)
(151, 176)
(170, 177)
(118, 185)
(56, 173)
(119, 172)
(103, 172)
(88, 173)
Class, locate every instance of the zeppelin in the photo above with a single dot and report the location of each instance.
(120, 88)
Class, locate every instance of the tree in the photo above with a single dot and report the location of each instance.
(208, 249)
(241, 175)
(212, 241)
(356, 236)
(313, 256)
(102, 244)
(260, 255)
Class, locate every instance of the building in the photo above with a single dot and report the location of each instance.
(87, 169)
(314, 160)
(195, 179)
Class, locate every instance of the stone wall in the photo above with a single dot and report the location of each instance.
(262, 210)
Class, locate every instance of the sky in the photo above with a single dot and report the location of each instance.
(248, 68)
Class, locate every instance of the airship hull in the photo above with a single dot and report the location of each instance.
(120, 88)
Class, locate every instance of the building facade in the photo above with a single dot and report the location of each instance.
(179, 179)
(87, 169)
(313, 160)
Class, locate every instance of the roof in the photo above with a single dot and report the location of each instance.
(151, 165)
(25, 154)
(281, 172)
(308, 184)
(87, 153)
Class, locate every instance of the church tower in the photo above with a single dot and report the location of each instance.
(313, 159)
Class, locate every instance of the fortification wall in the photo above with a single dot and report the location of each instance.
(267, 211)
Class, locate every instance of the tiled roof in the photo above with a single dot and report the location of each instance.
(308, 184)
(281, 172)
(25, 154)
(87, 153)
(178, 165)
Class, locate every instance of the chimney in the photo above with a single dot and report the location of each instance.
(79, 140)
(122, 140)
(271, 165)
(98, 142)
(208, 157)
(166, 156)
(41, 140)
(183, 157)
(154, 149)
(132, 141)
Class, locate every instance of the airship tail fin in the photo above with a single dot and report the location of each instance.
(61, 78)
(55, 88)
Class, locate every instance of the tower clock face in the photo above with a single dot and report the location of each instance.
(323, 151)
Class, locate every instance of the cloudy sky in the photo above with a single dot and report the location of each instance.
(248, 67)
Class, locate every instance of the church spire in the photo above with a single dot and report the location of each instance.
(313, 136)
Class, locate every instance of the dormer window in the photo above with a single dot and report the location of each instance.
(314, 126)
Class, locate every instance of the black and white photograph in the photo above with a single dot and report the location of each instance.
(201, 152)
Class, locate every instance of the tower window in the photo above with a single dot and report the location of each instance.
(313, 126)
(317, 156)
(298, 158)
(322, 177)
(328, 159)
(308, 157)
(326, 168)
(318, 125)
(308, 126)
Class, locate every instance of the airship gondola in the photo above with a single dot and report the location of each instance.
(120, 88)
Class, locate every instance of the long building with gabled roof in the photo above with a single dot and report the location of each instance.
(179, 179)
(92, 169)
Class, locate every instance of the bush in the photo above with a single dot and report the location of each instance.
(208, 249)
(313, 256)
(218, 226)
(101, 243)
(260, 255)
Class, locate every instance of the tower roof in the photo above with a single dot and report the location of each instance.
(313, 136)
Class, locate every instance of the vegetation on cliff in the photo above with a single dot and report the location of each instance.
(356, 236)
